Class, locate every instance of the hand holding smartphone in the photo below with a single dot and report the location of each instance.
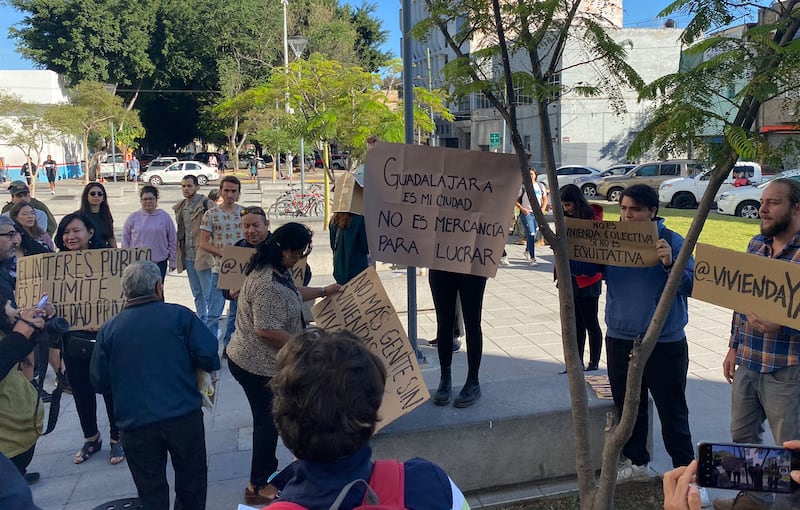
(748, 467)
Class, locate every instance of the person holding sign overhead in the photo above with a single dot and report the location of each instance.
(75, 232)
(631, 297)
(446, 287)
(151, 227)
(270, 313)
(763, 360)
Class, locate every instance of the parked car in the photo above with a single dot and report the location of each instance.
(109, 164)
(567, 174)
(652, 174)
(340, 161)
(686, 192)
(588, 183)
(174, 173)
(144, 161)
(746, 200)
(160, 163)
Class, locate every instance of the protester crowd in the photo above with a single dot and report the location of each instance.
(147, 360)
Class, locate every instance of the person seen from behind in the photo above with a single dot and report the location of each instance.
(328, 389)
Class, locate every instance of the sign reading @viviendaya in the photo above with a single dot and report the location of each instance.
(440, 208)
(84, 286)
(746, 283)
(364, 308)
(613, 243)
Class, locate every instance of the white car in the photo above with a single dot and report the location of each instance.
(686, 192)
(746, 201)
(567, 174)
(174, 173)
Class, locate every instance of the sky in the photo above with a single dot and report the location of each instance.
(636, 13)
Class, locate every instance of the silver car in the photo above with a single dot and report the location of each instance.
(588, 183)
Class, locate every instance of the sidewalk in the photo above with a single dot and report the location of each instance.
(521, 335)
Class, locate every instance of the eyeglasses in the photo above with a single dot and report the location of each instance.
(12, 234)
(253, 209)
(96, 193)
(22, 194)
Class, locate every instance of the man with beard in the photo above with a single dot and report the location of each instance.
(763, 362)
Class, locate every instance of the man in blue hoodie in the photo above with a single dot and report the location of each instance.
(631, 298)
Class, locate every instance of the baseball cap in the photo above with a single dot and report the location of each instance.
(18, 187)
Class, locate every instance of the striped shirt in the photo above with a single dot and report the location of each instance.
(766, 353)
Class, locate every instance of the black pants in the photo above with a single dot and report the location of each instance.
(265, 435)
(162, 266)
(586, 322)
(85, 399)
(146, 452)
(23, 460)
(665, 378)
(444, 288)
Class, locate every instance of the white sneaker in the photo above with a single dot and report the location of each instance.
(534, 263)
(630, 472)
(504, 261)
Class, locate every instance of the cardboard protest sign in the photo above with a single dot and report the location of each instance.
(441, 208)
(613, 243)
(234, 262)
(84, 286)
(364, 308)
(231, 267)
(348, 195)
(744, 282)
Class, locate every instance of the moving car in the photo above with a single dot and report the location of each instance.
(686, 192)
(746, 201)
(174, 173)
(652, 174)
(588, 183)
(568, 174)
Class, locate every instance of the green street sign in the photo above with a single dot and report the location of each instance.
(494, 140)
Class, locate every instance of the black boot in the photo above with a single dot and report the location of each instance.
(442, 395)
(469, 394)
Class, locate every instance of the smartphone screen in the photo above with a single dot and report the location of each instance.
(746, 467)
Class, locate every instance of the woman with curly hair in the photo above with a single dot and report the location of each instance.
(270, 312)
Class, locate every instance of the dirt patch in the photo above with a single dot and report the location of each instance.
(630, 496)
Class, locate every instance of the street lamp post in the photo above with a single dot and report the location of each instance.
(298, 44)
(286, 67)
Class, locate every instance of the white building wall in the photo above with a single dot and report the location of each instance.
(591, 132)
(41, 87)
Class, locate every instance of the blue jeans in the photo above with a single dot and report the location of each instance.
(231, 325)
(216, 303)
(200, 283)
(531, 229)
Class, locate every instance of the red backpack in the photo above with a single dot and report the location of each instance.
(385, 490)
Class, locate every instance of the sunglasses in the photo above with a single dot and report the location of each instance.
(253, 209)
(96, 193)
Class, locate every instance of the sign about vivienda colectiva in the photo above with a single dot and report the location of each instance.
(440, 208)
(767, 287)
(613, 243)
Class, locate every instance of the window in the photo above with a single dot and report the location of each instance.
(670, 169)
(581, 171)
(647, 171)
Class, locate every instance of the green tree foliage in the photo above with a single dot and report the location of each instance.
(89, 114)
(519, 46)
(175, 58)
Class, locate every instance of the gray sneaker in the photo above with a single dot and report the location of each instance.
(630, 472)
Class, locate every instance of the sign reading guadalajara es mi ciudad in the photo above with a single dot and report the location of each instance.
(440, 208)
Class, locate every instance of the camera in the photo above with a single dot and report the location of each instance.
(749, 467)
(53, 329)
